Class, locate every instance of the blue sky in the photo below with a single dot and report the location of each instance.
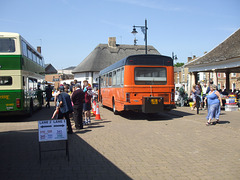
(68, 30)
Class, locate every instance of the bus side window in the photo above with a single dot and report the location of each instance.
(101, 81)
(106, 80)
(110, 79)
(24, 48)
(122, 76)
(30, 55)
(35, 83)
(118, 77)
(114, 81)
(30, 84)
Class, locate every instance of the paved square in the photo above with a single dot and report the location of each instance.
(174, 145)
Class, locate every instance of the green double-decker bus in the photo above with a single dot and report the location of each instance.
(21, 75)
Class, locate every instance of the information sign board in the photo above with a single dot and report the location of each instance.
(52, 130)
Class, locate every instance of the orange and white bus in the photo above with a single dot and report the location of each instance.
(140, 83)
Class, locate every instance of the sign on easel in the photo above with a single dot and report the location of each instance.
(52, 130)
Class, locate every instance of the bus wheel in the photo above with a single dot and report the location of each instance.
(114, 108)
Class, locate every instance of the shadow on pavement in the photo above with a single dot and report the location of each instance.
(41, 114)
(166, 115)
(224, 122)
(20, 159)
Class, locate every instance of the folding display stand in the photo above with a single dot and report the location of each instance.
(50, 131)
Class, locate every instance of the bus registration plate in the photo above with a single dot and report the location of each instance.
(154, 101)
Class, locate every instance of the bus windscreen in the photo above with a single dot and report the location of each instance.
(7, 45)
(150, 76)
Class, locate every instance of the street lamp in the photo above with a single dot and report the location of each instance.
(174, 56)
(144, 31)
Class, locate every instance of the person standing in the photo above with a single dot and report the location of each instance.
(214, 101)
(48, 95)
(77, 99)
(87, 104)
(204, 94)
(196, 90)
(65, 107)
(181, 95)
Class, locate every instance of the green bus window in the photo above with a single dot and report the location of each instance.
(34, 57)
(30, 54)
(30, 84)
(24, 48)
(7, 45)
(5, 80)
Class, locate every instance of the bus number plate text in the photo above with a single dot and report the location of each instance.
(154, 101)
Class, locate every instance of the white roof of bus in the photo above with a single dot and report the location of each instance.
(11, 34)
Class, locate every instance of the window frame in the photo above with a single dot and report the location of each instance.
(144, 82)
(11, 81)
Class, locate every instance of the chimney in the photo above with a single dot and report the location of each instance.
(39, 49)
(194, 56)
(189, 59)
(112, 41)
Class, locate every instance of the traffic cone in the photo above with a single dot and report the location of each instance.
(97, 114)
(94, 107)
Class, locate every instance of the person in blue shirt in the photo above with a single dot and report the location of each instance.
(65, 107)
(214, 101)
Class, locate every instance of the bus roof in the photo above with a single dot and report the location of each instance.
(140, 59)
(17, 35)
(9, 34)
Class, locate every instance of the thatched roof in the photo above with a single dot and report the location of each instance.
(104, 55)
(223, 53)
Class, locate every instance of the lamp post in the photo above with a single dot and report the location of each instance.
(174, 56)
(144, 31)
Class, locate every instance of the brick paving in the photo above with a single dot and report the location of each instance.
(173, 145)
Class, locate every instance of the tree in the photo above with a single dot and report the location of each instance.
(178, 64)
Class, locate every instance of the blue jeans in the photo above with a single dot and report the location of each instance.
(214, 111)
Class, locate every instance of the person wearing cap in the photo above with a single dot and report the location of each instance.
(77, 99)
(65, 107)
(87, 104)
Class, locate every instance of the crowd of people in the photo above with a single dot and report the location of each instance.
(73, 100)
(204, 96)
